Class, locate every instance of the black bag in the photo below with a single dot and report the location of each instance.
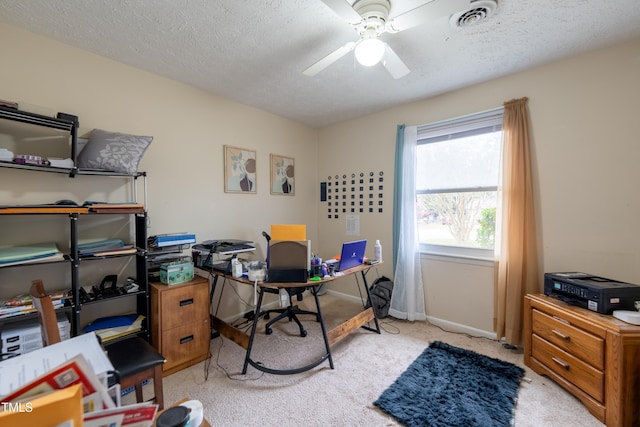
(380, 292)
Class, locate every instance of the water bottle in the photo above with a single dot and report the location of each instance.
(378, 251)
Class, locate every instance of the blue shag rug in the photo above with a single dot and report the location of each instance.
(450, 386)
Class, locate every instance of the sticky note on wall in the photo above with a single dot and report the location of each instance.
(289, 231)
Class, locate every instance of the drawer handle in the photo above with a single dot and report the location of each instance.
(561, 362)
(559, 319)
(186, 302)
(565, 337)
(186, 339)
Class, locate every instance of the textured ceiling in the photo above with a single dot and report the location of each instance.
(254, 51)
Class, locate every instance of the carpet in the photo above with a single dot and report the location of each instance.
(450, 386)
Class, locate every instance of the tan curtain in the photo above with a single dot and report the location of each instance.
(517, 272)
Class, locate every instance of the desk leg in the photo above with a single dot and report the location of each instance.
(247, 357)
(213, 289)
(248, 361)
(314, 291)
(375, 318)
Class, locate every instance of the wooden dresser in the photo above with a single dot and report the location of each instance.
(180, 323)
(593, 356)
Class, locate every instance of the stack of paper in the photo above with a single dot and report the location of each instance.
(64, 384)
(6, 155)
(104, 248)
(39, 252)
(60, 163)
(109, 328)
(124, 207)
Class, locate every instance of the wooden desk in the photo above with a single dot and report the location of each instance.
(330, 337)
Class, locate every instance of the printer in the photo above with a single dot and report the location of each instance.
(592, 292)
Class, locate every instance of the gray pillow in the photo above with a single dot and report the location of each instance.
(113, 151)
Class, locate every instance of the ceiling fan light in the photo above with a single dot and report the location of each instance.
(369, 51)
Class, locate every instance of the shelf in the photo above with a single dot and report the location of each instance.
(114, 297)
(49, 136)
(66, 259)
(43, 210)
(36, 119)
(72, 172)
(41, 168)
(66, 210)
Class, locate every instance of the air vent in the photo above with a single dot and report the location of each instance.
(478, 11)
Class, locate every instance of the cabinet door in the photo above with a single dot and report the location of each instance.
(184, 343)
(184, 304)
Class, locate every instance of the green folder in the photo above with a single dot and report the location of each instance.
(28, 252)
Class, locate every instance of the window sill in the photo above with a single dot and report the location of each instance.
(471, 257)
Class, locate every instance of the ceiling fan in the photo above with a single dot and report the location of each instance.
(370, 19)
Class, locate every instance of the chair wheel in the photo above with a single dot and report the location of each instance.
(268, 331)
(303, 333)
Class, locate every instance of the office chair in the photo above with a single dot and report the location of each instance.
(292, 311)
(134, 359)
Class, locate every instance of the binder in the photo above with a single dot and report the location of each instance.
(162, 240)
(288, 231)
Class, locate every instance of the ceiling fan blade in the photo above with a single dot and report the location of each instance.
(394, 64)
(344, 10)
(329, 59)
(426, 13)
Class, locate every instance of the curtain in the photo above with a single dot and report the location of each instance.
(407, 299)
(517, 259)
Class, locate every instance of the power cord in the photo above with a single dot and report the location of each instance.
(207, 364)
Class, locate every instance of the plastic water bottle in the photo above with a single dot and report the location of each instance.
(378, 251)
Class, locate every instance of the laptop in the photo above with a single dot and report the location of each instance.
(352, 254)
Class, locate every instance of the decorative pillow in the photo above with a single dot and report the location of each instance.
(112, 151)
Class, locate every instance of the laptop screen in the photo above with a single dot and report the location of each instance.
(352, 254)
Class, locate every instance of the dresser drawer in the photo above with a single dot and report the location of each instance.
(575, 341)
(185, 342)
(574, 370)
(185, 304)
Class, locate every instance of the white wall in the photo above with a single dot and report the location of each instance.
(184, 161)
(584, 114)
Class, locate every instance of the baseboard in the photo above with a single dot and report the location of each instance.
(459, 328)
(444, 324)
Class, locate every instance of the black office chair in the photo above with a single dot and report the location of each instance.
(292, 311)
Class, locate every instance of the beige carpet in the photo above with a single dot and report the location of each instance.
(365, 365)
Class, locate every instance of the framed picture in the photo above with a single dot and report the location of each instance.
(239, 170)
(282, 175)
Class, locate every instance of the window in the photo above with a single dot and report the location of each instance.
(457, 179)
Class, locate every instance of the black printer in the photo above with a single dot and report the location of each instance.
(592, 292)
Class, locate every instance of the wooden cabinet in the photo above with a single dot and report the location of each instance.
(180, 323)
(595, 357)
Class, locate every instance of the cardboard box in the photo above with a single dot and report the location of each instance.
(24, 337)
(173, 273)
